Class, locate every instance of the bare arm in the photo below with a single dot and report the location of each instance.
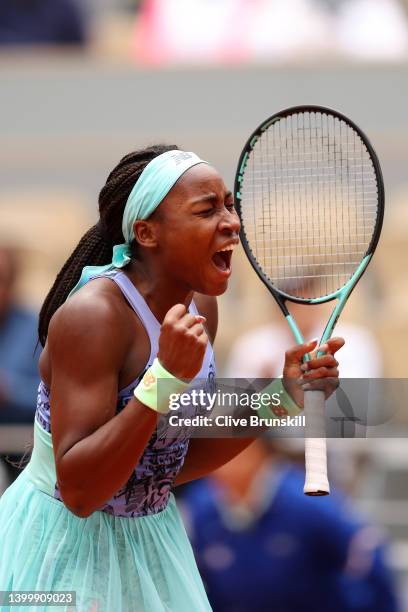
(95, 451)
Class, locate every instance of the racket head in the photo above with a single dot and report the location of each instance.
(296, 144)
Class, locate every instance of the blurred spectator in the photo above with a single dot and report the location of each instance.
(372, 30)
(194, 31)
(213, 31)
(261, 544)
(289, 29)
(19, 377)
(41, 22)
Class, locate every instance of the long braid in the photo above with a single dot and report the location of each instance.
(95, 247)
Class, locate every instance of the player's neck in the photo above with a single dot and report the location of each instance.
(158, 290)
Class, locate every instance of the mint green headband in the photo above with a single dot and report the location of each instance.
(149, 191)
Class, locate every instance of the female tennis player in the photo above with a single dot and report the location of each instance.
(93, 510)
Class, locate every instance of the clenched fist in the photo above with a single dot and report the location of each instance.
(182, 342)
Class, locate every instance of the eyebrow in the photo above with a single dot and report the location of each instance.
(210, 197)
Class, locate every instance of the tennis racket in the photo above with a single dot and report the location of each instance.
(310, 196)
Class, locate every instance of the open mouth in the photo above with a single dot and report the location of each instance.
(222, 258)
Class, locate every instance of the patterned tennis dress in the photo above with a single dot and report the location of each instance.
(132, 554)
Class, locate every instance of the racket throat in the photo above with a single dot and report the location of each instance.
(294, 329)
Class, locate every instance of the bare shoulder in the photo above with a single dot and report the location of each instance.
(208, 307)
(93, 319)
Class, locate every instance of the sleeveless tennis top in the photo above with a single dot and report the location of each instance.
(148, 489)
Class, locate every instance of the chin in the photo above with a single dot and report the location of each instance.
(211, 284)
(214, 290)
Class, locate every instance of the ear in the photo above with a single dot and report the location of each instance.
(146, 233)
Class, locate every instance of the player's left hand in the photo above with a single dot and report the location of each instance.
(319, 373)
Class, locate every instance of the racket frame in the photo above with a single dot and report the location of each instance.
(280, 296)
(342, 294)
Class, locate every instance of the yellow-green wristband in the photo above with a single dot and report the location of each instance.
(147, 390)
(286, 407)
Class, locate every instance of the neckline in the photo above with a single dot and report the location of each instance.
(191, 306)
(132, 288)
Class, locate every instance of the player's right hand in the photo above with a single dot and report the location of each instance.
(182, 342)
(319, 373)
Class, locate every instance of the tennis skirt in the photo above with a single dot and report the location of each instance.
(113, 564)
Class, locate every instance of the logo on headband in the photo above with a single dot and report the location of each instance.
(180, 156)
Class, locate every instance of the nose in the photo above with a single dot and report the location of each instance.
(229, 223)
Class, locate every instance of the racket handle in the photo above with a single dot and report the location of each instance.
(316, 482)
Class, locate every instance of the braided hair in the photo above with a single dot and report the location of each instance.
(96, 246)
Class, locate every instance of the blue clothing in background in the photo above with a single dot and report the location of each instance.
(299, 554)
(19, 378)
(40, 22)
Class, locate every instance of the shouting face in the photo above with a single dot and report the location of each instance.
(195, 231)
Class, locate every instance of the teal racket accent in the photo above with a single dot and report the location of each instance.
(342, 295)
(310, 195)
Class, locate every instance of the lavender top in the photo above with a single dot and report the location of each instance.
(147, 490)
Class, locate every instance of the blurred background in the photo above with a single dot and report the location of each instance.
(83, 83)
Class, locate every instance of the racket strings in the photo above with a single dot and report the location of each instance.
(309, 203)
